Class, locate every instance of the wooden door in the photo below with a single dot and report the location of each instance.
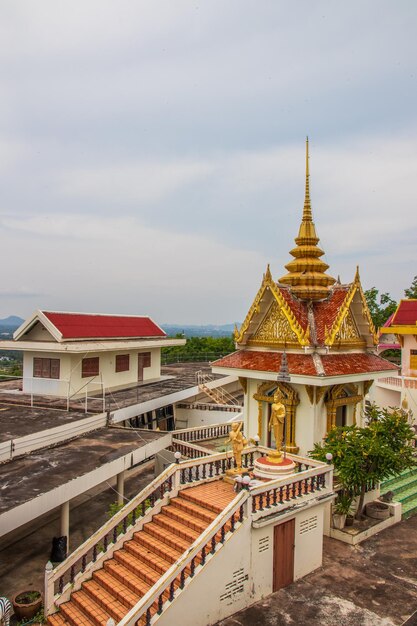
(144, 360)
(284, 537)
(140, 367)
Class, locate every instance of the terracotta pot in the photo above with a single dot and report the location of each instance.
(27, 610)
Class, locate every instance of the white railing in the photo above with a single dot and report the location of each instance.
(189, 450)
(194, 558)
(207, 383)
(45, 438)
(57, 388)
(203, 433)
(401, 382)
(279, 495)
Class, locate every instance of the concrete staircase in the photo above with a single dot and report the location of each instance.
(404, 487)
(124, 579)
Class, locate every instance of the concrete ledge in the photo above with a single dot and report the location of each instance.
(353, 536)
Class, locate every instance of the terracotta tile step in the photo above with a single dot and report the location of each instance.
(105, 599)
(191, 508)
(127, 576)
(210, 505)
(57, 620)
(160, 549)
(117, 588)
(166, 537)
(74, 615)
(158, 563)
(177, 528)
(174, 513)
(139, 568)
(92, 609)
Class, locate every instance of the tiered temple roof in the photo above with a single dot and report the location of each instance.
(308, 314)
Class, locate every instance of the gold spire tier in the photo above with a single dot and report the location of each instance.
(307, 272)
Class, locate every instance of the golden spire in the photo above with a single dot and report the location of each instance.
(306, 273)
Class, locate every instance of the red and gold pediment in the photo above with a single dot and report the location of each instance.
(352, 324)
(274, 319)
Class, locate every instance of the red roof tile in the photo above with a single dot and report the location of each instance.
(303, 364)
(345, 364)
(406, 313)
(268, 362)
(325, 312)
(298, 307)
(88, 326)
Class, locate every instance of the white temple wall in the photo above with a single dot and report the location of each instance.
(241, 573)
(304, 424)
(251, 410)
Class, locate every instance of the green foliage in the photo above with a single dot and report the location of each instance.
(199, 349)
(343, 503)
(39, 618)
(380, 307)
(411, 292)
(365, 456)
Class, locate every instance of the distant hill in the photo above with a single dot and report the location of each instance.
(11, 321)
(209, 330)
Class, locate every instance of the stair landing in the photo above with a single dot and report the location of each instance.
(115, 588)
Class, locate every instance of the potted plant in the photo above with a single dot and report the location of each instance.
(27, 604)
(341, 509)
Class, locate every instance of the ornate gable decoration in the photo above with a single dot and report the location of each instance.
(344, 328)
(274, 329)
(347, 330)
(278, 322)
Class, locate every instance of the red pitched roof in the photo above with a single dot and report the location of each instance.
(325, 312)
(89, 326)
(340, 364)
(303, 364)
(406, 314)
(268, 362)
(298, 307)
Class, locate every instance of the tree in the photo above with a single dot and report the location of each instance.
(381, 307)
(411, 292)
(363, 457)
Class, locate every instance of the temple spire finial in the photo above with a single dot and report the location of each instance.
(307, 276)
(307, 214)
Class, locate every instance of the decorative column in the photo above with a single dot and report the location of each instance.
(64, 532)
(120, 487)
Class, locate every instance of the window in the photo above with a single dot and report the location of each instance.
(89, 367)
(122, 363)
(46, 368)
(145, 358)
(413, 359)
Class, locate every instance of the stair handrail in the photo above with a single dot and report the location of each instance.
(197, 433)
(186, 447)
(166, 581)
(93, 543)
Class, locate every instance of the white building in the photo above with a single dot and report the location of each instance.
(400, 389)
(66, 353)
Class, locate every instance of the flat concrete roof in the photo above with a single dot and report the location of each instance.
(18, 421)
(28, 477)
(176, 377)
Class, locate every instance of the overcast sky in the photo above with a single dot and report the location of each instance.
(152, 153)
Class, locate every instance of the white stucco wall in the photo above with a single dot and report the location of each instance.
(410, 343)
(241, 573)
(70, 370)
(202, 417)
(46, 386)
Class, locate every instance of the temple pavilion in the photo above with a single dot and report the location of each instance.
(310, 339)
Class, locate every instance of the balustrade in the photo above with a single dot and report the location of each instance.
(309, 478)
